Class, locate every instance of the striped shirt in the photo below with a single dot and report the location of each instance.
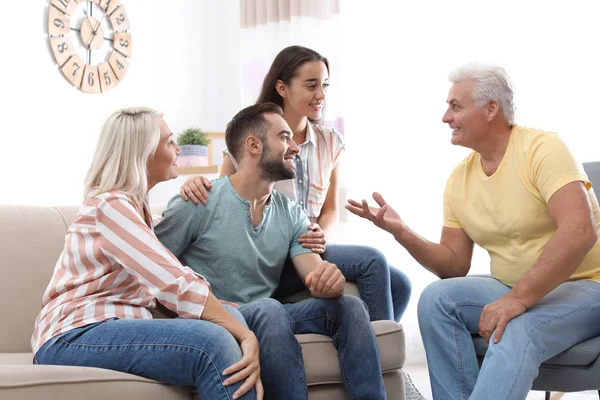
(113, 266)
(319, 155)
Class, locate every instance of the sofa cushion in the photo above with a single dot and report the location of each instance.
(20, 379)
(320, 359)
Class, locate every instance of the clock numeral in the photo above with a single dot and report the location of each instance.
(102, 3)
(75, 68)
(59, 23)
(120, 19)
(112, 6)
(62, 48)
(91, 79)
(118, 64)
(123, 43)
(65, 6)
(107, 78)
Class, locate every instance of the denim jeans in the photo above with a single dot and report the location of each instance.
(185, 352)
(385, 289)
(449, 312)
(344, 319)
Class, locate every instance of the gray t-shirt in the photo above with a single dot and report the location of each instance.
(217, 239)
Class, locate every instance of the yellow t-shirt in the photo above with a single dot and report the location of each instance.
(507, 213)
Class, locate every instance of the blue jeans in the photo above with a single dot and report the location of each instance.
(385, 289)
(449, 312)
(184, 352)
(344, 319)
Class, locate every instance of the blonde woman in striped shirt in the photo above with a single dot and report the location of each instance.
(96, 311)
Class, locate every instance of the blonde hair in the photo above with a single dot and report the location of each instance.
(129, 137)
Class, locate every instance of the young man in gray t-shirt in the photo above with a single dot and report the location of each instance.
(239, 241)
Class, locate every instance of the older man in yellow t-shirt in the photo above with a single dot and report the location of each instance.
(521, 196)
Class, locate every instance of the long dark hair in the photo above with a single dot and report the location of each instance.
(284, 68)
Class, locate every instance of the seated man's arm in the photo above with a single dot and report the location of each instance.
(179, 225)
(575, 236)
(323, 278)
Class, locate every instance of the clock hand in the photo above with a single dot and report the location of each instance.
(87, 19)
(88, 44)
(99, 22)
(98, 26)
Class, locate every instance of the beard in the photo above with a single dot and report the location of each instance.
(273, 168)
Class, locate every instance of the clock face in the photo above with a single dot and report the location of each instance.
(91, 42)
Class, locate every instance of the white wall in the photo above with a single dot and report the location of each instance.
(184, 63)
(397, 58)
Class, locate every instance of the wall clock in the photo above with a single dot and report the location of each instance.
(90, 41)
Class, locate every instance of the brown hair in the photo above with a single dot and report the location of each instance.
(249, 121)
(284, 68)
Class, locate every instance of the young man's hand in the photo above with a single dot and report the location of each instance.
(325, 281)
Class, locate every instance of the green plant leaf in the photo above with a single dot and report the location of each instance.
(193, 136)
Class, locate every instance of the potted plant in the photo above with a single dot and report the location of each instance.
(194, 148)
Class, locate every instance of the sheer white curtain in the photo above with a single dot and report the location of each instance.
(268, 26)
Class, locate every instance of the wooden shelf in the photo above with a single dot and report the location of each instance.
(210, 169)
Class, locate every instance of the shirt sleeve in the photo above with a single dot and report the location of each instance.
(179, 225)
(300, 224)
(450, 220)
(235, 164)
(127, 240)
(553, 166)
(339, 146)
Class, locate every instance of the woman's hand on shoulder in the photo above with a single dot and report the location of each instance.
(195, 188)
(315, 239)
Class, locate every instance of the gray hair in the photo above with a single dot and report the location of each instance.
(127, 140)
(491, 83)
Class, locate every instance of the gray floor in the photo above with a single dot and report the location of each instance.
(420, 377)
